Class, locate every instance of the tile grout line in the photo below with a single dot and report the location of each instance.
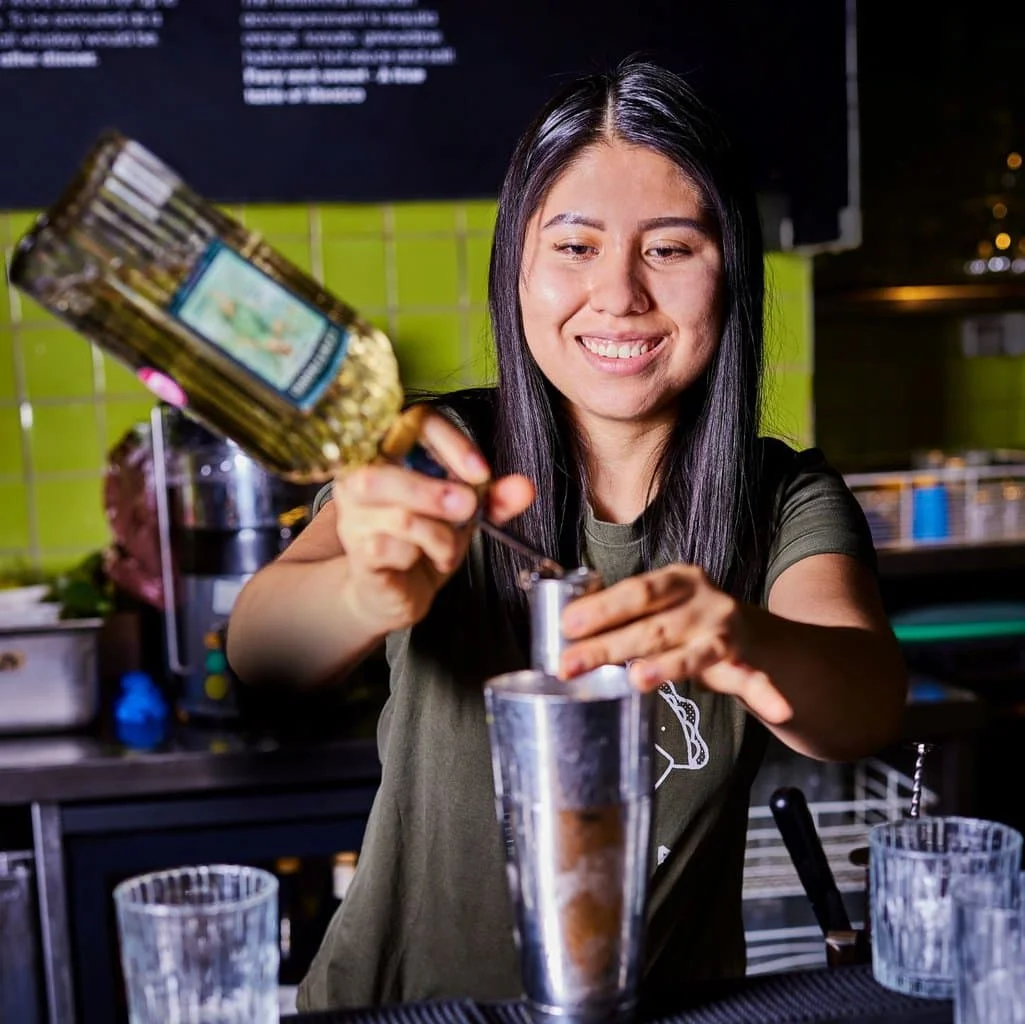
(315, 240)
(463, 293)
(391, 282)
(99, 388)
(24, 416)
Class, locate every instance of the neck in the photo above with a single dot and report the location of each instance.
(621, 460)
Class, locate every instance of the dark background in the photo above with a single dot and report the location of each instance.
(941, 104)
(775, 69)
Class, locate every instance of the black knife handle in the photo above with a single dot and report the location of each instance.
(795, 824)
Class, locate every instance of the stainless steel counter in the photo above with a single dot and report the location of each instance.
(66, 769)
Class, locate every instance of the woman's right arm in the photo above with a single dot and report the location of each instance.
(369, 563)
(289, 622)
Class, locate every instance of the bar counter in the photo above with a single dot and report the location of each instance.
(848, 994)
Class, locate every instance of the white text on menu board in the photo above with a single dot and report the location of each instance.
(293, 51)
(334, 51)
(70, 34)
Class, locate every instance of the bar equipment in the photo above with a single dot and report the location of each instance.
(573, 784)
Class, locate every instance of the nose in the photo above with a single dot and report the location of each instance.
(616, 285)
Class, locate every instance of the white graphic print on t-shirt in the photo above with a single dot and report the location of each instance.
(686, 749)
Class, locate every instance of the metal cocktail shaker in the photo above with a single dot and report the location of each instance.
(547, 596)
(573, 782)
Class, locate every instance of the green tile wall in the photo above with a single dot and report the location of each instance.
(417, 270)
(888, 386)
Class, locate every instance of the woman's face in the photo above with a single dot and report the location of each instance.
(620, 283)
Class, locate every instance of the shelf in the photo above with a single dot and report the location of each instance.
(941, 559)
(974, 297)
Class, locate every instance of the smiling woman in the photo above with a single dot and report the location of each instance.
(620, 294)
(626, 303)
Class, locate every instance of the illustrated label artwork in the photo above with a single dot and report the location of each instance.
(261, 325)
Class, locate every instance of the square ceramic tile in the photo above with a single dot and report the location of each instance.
(19, 223)
(69, 514)
(481, 367)
(58, 364)
(480, 214)
(478, 258)
(787, 409)
(429, 351)
(54, 562)
(296, 250)
(25, 310)
(426, 271)
(788, 337)
(121, 416)
(424, 218)
(382, 321)
(14, 531)
(788, 272)
(10, 441)
(120, 380)
(354, 270)
(272, 220)
(987, 379)
(64, 438)
(5, 298)
(340, 219)
(8, 379)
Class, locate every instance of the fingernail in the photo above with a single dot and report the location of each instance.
(457, 502)
(645, 674)
(572, 667)
(572, 621)
(475, 463)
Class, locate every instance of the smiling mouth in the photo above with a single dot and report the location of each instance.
(607, 349)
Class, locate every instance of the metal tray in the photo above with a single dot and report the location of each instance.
(49, 676)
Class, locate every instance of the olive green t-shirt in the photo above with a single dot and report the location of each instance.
(428, 914)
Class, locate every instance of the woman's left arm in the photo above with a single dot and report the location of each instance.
(821, 667)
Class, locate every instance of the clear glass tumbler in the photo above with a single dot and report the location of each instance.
(989, 951)
(912, 865)
(199, 945)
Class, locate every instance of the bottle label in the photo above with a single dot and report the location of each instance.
(261, 326)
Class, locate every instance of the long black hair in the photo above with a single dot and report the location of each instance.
(703, 511)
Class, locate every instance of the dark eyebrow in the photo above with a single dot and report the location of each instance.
(648, 225)
(574, 218)
(677, 222)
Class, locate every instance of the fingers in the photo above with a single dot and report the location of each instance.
(453, 449)
(632, 599)
(380, 486)
(686, 662)
(382, 552)
(508, 497)
(752, 687)
(394, 538)
(691, 635)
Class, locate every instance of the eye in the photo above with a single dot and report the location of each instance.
(668, 251)
(575, 250)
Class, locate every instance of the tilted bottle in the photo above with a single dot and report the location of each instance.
(216, 321)
(210, 316)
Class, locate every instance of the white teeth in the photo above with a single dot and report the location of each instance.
(613, 351)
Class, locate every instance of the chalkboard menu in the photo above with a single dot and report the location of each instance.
(372, 100)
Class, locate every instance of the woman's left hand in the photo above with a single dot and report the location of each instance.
(670, 624)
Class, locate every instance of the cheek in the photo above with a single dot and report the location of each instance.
(695, 303)
(547, 298)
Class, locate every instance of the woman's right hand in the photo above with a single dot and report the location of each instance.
(404, 534)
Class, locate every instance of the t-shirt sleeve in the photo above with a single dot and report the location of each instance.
(815, 514)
